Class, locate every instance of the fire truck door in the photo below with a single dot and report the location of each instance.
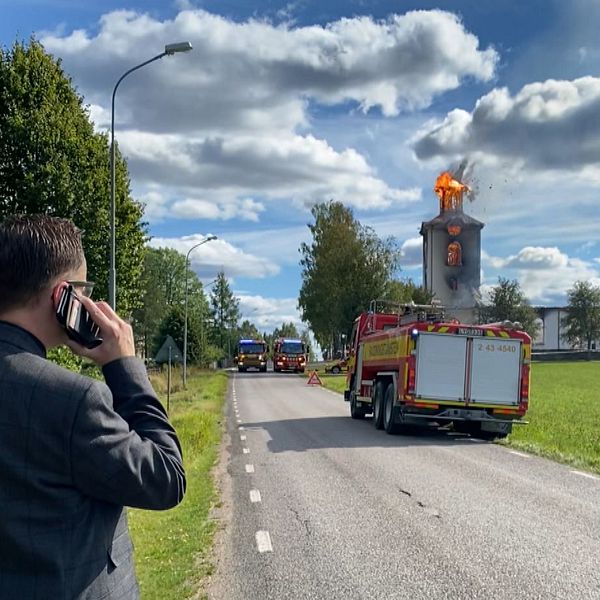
(495, 371)
(441, 363)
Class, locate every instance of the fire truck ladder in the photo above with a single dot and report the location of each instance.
(407, 312)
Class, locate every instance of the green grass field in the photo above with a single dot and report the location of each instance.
(172, 548)
(564, 413)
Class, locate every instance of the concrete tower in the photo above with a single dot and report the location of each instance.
(452, 252)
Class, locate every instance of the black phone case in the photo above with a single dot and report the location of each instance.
(84, 331)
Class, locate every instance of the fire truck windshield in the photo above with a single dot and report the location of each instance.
(292, 348)
(250, 348)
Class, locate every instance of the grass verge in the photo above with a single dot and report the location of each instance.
(564, 413)
(172, 548)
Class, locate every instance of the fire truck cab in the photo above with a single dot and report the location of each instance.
(413, 367)
(252, 354)
(289, 355)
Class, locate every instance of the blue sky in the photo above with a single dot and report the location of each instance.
(282, 104)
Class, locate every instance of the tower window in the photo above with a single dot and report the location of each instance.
(454, 254)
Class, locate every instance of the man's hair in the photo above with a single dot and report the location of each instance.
(34, 251)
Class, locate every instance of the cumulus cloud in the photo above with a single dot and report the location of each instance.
(229, 121)
(269, 313)
(544, 273)
(303, 168)
(212, 257)
(550, 125)
(411, 253)
(245, 73)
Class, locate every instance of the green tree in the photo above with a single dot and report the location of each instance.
(345, 267)
(405, 291)
(52, 162)
(249, 331)
(507, 302)
(163, 283)
(287, 330)
(226, 313)
(582, 323)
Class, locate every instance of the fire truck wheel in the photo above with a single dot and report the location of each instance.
(335, 370)
(391, 414)
(355, 412)
(378, 398)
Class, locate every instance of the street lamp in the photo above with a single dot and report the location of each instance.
(170, 49)
(210, 238)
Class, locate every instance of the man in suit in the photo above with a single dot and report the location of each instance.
(73, 450)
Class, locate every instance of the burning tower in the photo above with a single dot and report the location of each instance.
(452, 251)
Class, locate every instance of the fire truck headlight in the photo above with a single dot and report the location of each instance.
(414, 334)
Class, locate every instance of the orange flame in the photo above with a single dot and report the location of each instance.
(449, 191)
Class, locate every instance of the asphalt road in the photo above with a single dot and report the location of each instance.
(317, 505)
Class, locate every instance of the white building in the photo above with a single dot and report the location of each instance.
(551, 330)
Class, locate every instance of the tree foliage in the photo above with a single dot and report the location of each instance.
(163, 282)
(53, 162)
(507, 302)
(226, 314)
(582, 323)
(287, 330)
(343, 269)
(406, 291)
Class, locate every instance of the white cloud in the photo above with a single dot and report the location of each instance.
(242, 73)
(269, 313)
(545, 274)
(246, 209)
(210, 258)
(229, 169)
(550, 125)
(412, 253)
(229, 121)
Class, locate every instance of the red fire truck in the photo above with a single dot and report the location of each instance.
(414, 367)
(289, 355)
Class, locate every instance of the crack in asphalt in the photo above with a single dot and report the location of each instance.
(304, 522)
(430, 511)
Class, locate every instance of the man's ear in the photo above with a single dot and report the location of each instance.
(57, 292)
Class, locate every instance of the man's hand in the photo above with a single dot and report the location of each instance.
(116, 333)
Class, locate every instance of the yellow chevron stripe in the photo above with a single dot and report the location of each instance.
(444, 329)
(504, 334)
(490, 333)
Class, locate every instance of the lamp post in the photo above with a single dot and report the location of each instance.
(210, 238)
(170, 49)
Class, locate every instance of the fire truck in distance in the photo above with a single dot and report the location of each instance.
(252, 354)
(413, 367)
(289, 355)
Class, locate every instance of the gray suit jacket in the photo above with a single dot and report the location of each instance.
(73, 452)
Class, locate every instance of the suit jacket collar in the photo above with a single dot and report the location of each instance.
(21, 338)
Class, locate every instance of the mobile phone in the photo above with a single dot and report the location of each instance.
(76, 320)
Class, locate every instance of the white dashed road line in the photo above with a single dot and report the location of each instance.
(255, 496)
(521, 454)
(246, 450)
(249, 468)
(242, 438)
(263, 541)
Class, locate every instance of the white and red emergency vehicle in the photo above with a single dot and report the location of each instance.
(414, 367)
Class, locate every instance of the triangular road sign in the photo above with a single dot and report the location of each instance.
(162, 355)
(314, 379)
